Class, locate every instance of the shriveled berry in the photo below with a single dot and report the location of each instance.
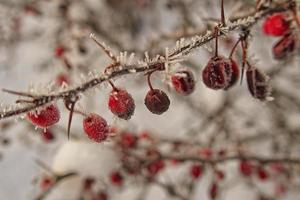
(246, 168)
(46, 117)
(258, 84)
(116, 178)
(95, 127)
(284, 47)
(157, 101)
(121, 103)
(276, 25)
(183, 82)
(196, 171)
(218, 73)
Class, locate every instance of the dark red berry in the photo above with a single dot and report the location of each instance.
(46, 117)
(276, 25)
(258, 84)
(218, 73)
(262, 174)
(213, 191)
(47, 135)
(246, 168)
(284, 47)
(196, 171)
(183, 82)
(95, 127)
(157, 101)
(121, 103)
(116, 178)
(155, 167)
(128, 140)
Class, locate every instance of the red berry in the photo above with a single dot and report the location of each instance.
(284, 47)
(213, 190)
(157, 101)
(121, 103)
(276, 25)
(59, 51)
(116, 178)
(95, 127)
(155, 167)
(218, 73)
(262, 174)
(183, 82)
(196, 171)
(128, 140)
(258, 84)
(46, 117)
(47, 135)
(246, 168)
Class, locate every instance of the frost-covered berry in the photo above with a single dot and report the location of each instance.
(284, 47)
(183, 82)
(121, 103)
(157, 101)
(95, 127)
(258, 84)
(218, 73)
(276, 25)
(59, 51)
(45, 117)
(62, 79)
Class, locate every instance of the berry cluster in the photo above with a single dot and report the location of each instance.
(279, 25)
